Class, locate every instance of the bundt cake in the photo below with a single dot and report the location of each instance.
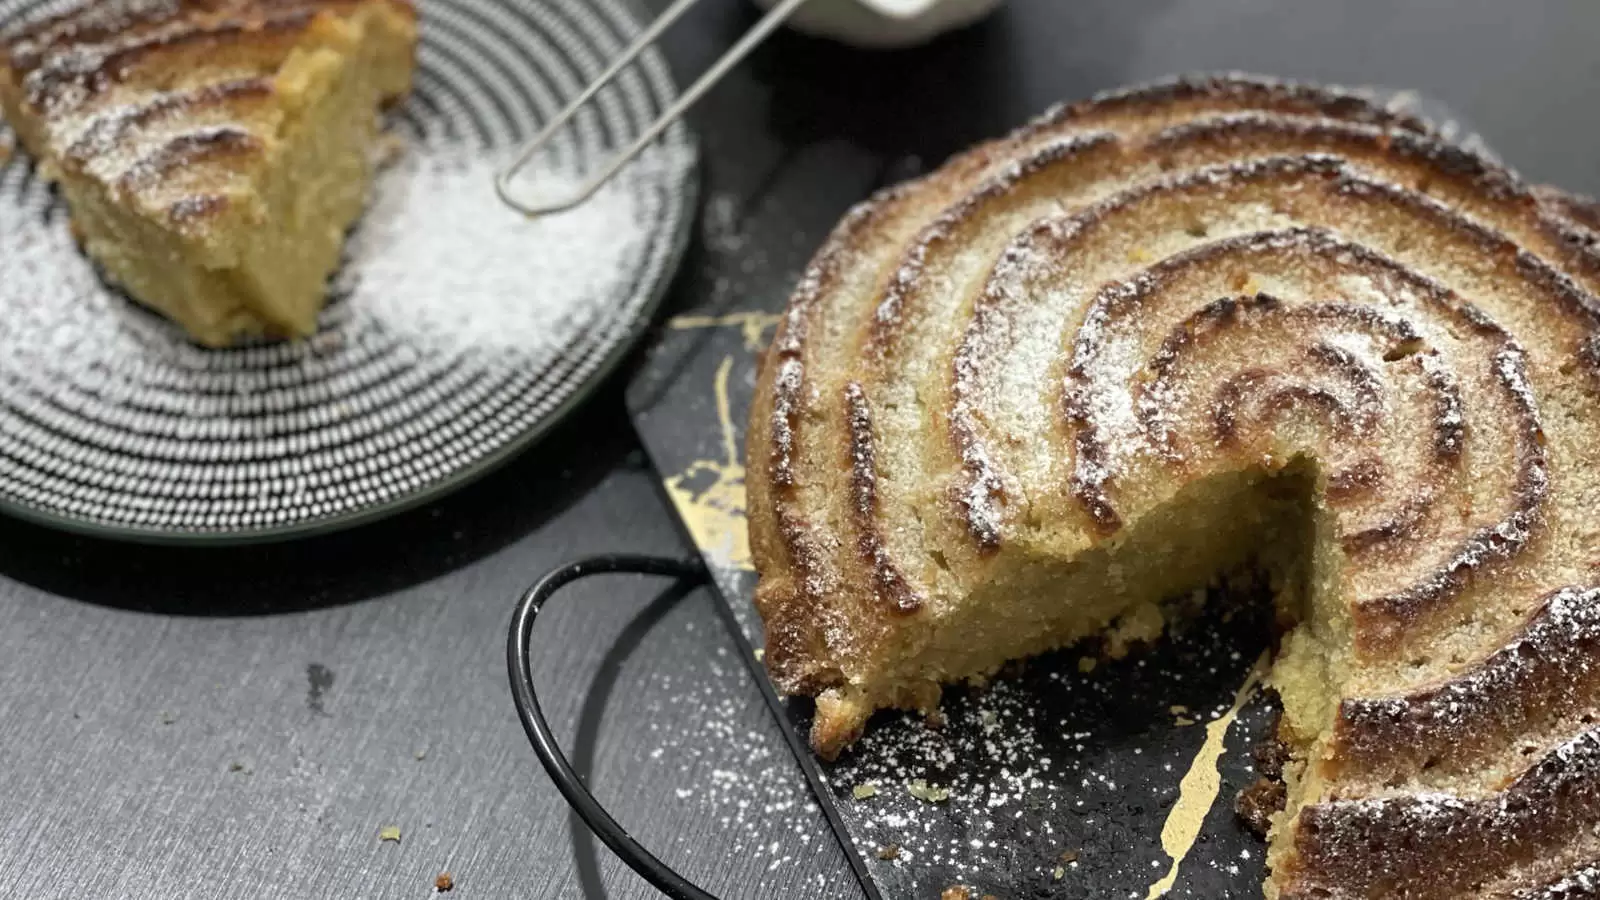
(212, 152)
(1216, 324)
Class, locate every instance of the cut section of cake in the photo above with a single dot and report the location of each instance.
(212, 152)
(1182, 330)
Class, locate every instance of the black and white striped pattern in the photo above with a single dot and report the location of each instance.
(111, 421)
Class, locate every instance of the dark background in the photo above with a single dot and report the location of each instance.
(240, 723)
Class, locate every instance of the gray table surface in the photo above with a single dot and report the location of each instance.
(242, 723)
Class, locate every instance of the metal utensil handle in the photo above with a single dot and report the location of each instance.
(520, 668)
(735, 54)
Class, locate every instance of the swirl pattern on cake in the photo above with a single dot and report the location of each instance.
(1215, 324)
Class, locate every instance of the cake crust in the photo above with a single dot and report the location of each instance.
(1211, 323)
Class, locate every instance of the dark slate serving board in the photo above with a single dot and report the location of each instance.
(1059, 781)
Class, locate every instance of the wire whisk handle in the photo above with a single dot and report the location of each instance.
(736, 54)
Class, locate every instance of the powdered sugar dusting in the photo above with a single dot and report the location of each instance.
(1024, 287)
(1549, 659)
(991, 353)
(1580, 884)
(1015, 770)
(1455, 839)
(743, 780)
(1509, 536)
(53, 303)
(439, 260)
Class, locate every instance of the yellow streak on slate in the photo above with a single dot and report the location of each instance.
(715, 514)
(1197, 793)
(752, 324)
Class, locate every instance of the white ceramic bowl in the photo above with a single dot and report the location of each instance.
(885, 23)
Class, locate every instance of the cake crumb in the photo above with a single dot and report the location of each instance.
(444, 882)
(956, 892)
(1178, 709)
(927, 793)
(389, 833)
(1142, 624)
(1258, 803)
(1069, 856)
(1086, 664)
(1183, 721)
(863, 791)
(1059, 872)
(889, 851)
(761, 654)
(388, 149)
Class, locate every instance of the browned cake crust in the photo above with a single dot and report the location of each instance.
(109, 63)
(195, 118)
(1230, 275)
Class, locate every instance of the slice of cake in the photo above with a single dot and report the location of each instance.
(212, 152)
(1211, 325)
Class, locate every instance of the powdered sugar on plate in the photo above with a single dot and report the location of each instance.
(440, 260)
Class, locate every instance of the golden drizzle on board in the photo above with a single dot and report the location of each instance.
(715, 513)
(1197, 792)
(753, 324)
